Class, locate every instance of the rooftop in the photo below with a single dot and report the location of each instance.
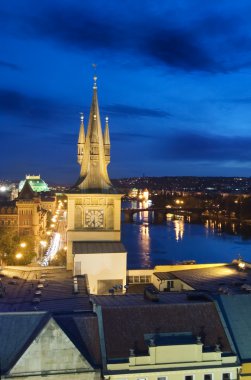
(227, 279)
(36, 288)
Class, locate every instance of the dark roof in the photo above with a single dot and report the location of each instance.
(134, 299)
(201, 319)
(82, 329)
(97, 247)
(17, 331)
(27, 191)
(165, 275)
(237, 311)
(57, 294)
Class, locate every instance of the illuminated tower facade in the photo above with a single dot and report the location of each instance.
(94, 247)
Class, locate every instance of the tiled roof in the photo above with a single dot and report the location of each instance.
(201, 319)
(97, 247)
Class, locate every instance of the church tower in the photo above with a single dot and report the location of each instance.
(94, 247)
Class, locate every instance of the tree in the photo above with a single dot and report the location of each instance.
(10, 247)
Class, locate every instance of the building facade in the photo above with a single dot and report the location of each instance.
(28, 214)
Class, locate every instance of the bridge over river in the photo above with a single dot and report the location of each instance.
(159, 214)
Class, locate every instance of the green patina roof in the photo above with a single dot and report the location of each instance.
(37, 184)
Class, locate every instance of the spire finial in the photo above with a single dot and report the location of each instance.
(95, 75)
(81, 117)
(106, 119)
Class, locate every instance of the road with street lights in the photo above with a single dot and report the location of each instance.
(58, 236)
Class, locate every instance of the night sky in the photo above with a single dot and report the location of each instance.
(174, 77)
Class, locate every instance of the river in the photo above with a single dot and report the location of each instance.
(177, 240)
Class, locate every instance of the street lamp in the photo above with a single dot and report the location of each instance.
(23, 245)
(19, 255)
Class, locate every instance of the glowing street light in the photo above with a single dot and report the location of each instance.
(43, 243)
(19, 255)
(23, 245)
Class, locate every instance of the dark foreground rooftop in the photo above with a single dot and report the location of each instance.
(36, 288)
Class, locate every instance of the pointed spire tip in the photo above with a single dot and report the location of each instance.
(95, 81)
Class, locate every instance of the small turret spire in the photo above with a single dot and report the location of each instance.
(106, 133)
(107, 143)
(81, 139)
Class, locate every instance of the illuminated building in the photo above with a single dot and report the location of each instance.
(94, 245)
(37, 184)
(28, 213)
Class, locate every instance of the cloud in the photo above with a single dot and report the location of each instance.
(10, 65)
(191, 146)
(179, 49)
(128, 110)
(32, 108)
(214, 39)
(132, 137)
(79, 28)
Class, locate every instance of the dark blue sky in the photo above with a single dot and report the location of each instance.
(174, 77)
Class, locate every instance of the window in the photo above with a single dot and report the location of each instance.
(189, 377)
(226, 376)
(162, 378)
(208, 376)
(170, 284)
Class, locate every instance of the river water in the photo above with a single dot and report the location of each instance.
(177, 240)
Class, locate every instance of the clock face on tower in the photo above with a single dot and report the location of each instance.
(94, 218)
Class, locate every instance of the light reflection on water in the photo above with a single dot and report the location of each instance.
(178, 239)
(144, 243)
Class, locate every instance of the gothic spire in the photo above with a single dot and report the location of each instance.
(93, 172)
